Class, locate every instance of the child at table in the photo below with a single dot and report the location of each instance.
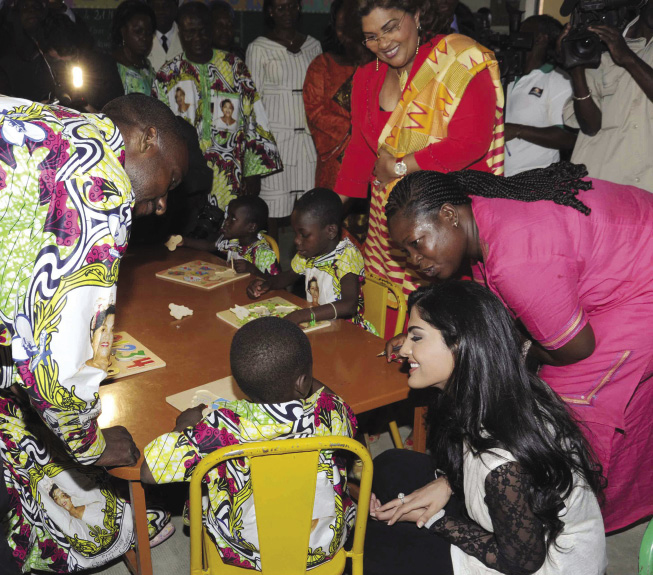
(241, 239)
(271, 361)
(332, 267)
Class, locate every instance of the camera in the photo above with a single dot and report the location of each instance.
(582, 47)
(510, 49)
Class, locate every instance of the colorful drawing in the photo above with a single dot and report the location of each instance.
(239, 315)
(129, 356)
(201, 274)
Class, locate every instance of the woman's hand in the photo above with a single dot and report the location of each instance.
(298, 316)
(257, 288)
(386, 514)
(392, 347)
(420, 505)
(384, 169)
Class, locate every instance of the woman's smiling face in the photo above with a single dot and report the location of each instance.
(391, 35)
(431, 361)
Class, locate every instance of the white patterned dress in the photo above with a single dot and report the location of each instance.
(279, 75)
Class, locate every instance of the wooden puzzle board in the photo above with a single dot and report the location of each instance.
(129, 356)
(274, 306)
(201, 274)
(224, 388)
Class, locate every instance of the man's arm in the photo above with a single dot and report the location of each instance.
(552, 137)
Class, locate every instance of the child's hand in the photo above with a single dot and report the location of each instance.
(243, 266)
(190, 418)
(257, 288)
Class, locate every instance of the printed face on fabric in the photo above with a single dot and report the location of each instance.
(391, 35)
(434, 244)
(430, 360)
(311, 239)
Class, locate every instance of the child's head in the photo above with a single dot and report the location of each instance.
(246, 216)
(271, 360)
(316, 220)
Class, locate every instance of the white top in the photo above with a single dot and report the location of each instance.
(621, 151)
(157, 56)
(537, 99)
(581, 545)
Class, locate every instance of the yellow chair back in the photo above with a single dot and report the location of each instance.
(377, 292)
(283, 475)
(273, 244)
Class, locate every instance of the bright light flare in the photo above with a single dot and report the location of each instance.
(78, 77)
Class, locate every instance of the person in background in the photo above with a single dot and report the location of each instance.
(70, 186)
(327, 92)
(272, 363)
(131, 33)
(613, 105)
(166, 44)
(223, 24)
(502, 442)
(63, 50)
(279, 61)
(241, 153)
(534, 129)
(450, 81)
(458, 17)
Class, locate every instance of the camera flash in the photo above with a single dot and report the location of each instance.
(78, 81)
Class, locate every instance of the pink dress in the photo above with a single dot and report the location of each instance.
(556, 270)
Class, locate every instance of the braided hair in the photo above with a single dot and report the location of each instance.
(425, 191)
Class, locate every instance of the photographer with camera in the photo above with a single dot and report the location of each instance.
(613, 105)
(534, 131)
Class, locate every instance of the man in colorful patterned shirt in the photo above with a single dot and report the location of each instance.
(215, 92)
(271, 360)
(69, 187)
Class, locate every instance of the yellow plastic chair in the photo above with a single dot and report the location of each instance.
(283, 475)
(379, 294)
(273, 244)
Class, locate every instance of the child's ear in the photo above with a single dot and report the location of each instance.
(252, 228)
(303, 385)
(332, 231)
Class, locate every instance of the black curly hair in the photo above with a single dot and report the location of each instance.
(422, 192)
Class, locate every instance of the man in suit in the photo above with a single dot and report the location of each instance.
(166, 43)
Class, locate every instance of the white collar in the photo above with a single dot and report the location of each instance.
(170, 34)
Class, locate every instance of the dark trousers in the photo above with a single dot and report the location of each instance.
(7, 563)
(403, 549)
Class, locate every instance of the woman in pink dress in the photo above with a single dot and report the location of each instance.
(576, 272)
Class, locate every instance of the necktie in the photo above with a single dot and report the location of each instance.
(164, 43)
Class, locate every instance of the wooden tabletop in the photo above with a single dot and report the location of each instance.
(196, 348)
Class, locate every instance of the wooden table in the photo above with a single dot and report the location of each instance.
(196, 351)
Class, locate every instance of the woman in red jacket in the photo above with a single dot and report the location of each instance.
(427, 102)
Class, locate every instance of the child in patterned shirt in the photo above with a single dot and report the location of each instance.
(333, 268)
(241, 239)
(272, 363)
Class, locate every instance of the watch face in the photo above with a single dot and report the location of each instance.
(401, 168)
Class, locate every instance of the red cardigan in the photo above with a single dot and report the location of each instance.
(470, 131)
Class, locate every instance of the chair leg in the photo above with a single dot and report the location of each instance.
(394, 432)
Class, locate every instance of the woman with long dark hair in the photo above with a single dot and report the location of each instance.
(428, 101)
(502, 442)
(572, 261)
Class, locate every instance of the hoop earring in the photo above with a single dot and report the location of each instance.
(377, 64)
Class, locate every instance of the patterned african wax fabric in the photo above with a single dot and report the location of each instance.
(136, 80)
(259, 253)
(230, 517)
(324, 276)
(65, 216)
(220, 99)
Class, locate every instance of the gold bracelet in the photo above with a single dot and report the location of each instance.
(335, 311)
(577, 99)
